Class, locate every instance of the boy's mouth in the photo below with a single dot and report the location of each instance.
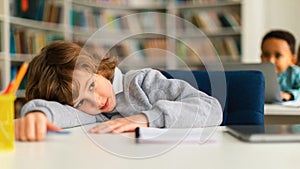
(105, 105)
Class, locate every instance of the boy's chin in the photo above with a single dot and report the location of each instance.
(93, 112)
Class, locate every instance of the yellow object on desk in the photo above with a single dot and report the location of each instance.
(7, 135)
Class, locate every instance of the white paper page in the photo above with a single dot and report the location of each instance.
(175, 135)
(293, 103)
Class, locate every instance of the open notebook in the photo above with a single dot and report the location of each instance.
(174, 135)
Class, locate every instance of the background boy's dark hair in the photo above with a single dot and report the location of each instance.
(284, 35)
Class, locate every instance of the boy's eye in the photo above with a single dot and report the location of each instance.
(92, 86)
(266, 55)
(80, 103)
(278, 55)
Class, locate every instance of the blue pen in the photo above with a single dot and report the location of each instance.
(64, 132)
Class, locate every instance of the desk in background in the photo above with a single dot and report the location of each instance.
(278, 114)
(77, 151)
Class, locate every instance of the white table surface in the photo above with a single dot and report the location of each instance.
(281, 114)
(275, 109)
(80, 151)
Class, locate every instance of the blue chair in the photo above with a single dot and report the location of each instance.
(244, 101)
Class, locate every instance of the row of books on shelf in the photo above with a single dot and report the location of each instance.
(29, 41)
(227, 49)
(144, 3)
(85, 17)
(212, 21)
(208, 21)
(133, 3)
(40, 10)
(118, 20)
(192, 51)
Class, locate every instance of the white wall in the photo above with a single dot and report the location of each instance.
(260, 16)
(253, 26)
(283, 14)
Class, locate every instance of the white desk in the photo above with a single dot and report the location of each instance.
(77, 151)
(278, 114)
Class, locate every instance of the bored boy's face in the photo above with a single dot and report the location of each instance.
(96, 93)
(278, 52)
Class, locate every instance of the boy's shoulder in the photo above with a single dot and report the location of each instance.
(146, 74)
(141, 72)
(296, 68)
(295, 72)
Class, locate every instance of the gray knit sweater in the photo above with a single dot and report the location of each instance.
(169, 103)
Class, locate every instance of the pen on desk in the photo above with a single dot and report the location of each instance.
(20, 75)
(14, 85)
(137, 134)
(64, 132)
(6, 90)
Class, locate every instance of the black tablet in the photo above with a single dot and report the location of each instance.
(266, 133)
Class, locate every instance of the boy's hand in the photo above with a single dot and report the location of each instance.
(33, 127)
(121, 124)
(286, 96)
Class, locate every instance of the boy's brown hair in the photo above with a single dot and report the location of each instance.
(50, 74)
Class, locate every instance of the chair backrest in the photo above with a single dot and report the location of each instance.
(244, 98)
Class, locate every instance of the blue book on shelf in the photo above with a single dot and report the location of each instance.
(12, 43)
(81, 19)
(40, 10)
(73, 17)
(13, 72)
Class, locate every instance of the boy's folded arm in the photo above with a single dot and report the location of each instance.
(174, 103)
(185, 113)
(63, 116)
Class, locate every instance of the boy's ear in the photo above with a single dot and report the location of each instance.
(294, 59)
(261, 57)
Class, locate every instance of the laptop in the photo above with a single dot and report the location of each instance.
(272, 89)
(266, 133)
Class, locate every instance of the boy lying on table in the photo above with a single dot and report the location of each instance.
(68, 87)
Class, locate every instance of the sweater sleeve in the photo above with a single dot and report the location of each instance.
(295, 93)
(174, 103)
(63, 116)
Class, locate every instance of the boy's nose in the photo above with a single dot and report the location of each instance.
(272, 60)
(95, 99)
(99, 101)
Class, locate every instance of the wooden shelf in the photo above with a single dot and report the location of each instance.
(118, 6)
(46, 26)
(21, 57)
(207, 5)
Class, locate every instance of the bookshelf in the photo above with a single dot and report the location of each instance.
(25, 32)
(225, 36)
(220, 21)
